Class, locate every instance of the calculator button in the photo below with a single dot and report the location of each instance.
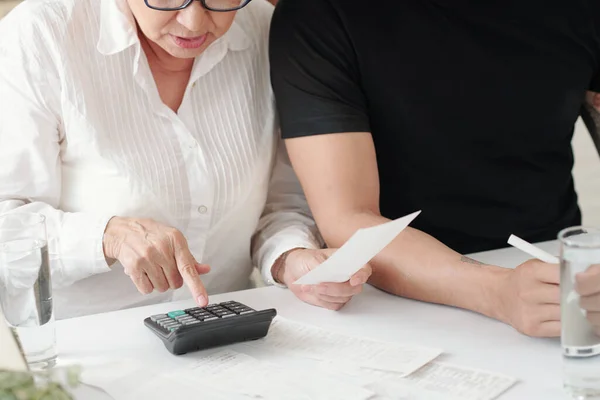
(186, 323)
(247, 312)
(202, 315)
(191, 310)
(184, 316)
(210, 318)
(228, 315)
(177, 313)
(173, 328)
(158, 317)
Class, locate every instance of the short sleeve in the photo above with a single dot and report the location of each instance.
(595, 84)
(314, 72)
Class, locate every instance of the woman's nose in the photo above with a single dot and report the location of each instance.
(193, 17)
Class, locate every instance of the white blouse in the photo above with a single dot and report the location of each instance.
(84, 136)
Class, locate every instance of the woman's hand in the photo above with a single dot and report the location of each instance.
(154, 256)
(327, 295)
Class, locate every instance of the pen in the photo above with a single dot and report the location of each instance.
(532, 250)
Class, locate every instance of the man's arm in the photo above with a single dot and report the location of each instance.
(590, 114)
(325, 119)
(340, 178)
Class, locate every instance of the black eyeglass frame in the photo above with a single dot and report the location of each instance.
(203, 2)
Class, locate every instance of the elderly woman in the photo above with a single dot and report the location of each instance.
(145, 132)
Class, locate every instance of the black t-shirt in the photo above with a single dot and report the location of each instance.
(471, 104)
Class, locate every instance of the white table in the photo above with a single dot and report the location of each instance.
(467, 338)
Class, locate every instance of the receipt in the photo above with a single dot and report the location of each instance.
(356, 252)
(246, 375)
(316, 343)
(435, 381)
(128, 379)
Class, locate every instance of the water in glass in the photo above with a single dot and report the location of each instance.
(26, 298)
(580, 344)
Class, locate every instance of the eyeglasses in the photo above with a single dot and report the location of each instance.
(210, 5)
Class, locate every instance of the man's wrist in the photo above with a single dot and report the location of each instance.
(278, 268)
(493, 293)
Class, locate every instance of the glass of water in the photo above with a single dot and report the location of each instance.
(25, 286)
(580, 249)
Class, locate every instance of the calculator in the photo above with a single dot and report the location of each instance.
(199, 328)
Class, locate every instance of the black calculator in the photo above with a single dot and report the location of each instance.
(194, 329)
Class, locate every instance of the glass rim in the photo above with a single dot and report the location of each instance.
(567, 241)
(40, 218)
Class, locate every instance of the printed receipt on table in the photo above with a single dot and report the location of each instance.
(365, 244)
(320, 344)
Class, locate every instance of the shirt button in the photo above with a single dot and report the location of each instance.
(202, 209)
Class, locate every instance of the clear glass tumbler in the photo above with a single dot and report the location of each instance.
(25, 286)
(580, 250)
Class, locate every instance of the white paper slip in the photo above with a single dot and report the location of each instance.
(129, 379)
(245, 375)
(365, 244)
(436, 380)
(320, 344)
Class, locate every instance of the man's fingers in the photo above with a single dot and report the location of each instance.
(546, 294)
(336, 300)
(549, 329)
(547, 273)
(549, 313)
(590, 303)
(337, 289)
(317, 301)
(588, 282)
(186, 264)
(594, 318)
(362, 276)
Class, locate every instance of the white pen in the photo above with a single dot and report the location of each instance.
(532, 250)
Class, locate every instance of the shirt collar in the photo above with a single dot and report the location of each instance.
(118, 30)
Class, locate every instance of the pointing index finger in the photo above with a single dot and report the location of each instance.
(186, 264)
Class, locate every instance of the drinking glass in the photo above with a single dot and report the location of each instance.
(25, 286)
(580, 249)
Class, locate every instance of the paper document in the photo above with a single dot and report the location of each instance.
(436, 380)
(320, 344)
(128, 379)
(356, 252)
(243, 374)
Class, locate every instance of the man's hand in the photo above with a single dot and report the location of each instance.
(593, 99)
(154, 256)
(332, 296)
(530, 298)
(587, 284)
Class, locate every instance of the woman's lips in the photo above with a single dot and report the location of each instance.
(189, 42)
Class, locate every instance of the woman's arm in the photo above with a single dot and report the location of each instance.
(30, 159)
(286, 222)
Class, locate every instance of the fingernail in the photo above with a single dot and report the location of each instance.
(201, 300)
